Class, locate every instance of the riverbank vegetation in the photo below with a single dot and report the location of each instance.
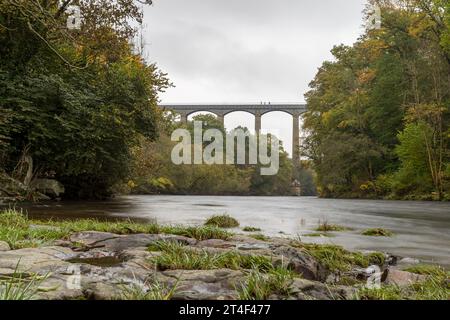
(73, 102)
(378, 115)
(244, 268)
(20, 232)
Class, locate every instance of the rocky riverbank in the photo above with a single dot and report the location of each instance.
(104, 265)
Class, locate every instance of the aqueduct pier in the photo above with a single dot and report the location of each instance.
(258, 110)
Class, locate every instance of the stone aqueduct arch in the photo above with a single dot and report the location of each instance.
(258, 110)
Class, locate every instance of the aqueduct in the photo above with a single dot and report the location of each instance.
(258, 110)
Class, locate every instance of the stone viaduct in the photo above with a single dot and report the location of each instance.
(258, 110)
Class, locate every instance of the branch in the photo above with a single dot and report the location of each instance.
(63, 8)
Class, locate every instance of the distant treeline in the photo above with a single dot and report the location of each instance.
(154, 172)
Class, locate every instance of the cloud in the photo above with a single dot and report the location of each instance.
(246, 50)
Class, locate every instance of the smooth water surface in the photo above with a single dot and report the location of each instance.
(422, 229)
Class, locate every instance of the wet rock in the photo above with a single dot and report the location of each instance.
(402, 278)
(302, 263)
(4, 246)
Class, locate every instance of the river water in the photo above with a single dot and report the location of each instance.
(422, 229)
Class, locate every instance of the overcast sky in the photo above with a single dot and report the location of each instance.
(247, 51)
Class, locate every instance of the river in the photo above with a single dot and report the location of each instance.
(422, 229)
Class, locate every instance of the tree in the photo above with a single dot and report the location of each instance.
(77, 101)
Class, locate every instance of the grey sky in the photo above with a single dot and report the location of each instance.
(247, 51)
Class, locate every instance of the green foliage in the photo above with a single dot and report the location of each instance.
(223, 221)
(75, 103)
(152, 160)
(378, 116)
(20, 232)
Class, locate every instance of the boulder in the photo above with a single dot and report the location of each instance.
(402, 278)
(302, 263)
(49, 187)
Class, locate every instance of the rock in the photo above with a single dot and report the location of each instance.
(4, 246)
(215, 243)
(11, 187)
(402, 278)
(90, 238)
(118, 243)
(40, 260)
(205, 284)
(306, 290)
(253, 246)
(49, 187)
(408, 262)
(302, 263)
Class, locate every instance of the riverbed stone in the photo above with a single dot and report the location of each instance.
(402, 278)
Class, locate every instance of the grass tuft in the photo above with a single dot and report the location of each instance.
(327, 227)
(319, 235)
(336, 258)
(223, 221)
(259, 286)
(259, 236)
(155, 292)
(20, 232)
(175, 256)
(251, 229)
(20, 286)
(377, 232)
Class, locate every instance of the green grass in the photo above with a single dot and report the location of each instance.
(20, 286)
(251, 229)
(377, 232)
(260, 286)
(156, 291)
(327, 227)
(259, 236)
(223, 221)
(336, 258)
(17, 230)
(434, 288)
(427, 269)
(318, 235)
(175, 256)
